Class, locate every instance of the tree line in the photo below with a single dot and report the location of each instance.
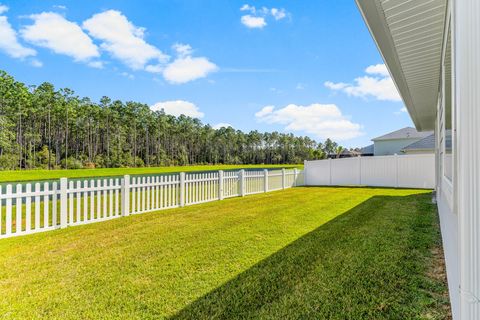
(41, 127)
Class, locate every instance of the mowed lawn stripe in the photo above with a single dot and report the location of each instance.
(37, 175)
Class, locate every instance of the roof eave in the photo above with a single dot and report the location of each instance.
(379, 30)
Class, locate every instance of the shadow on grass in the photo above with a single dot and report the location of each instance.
(369, 263)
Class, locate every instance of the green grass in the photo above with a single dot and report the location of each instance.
(321, 253)
(27, 175)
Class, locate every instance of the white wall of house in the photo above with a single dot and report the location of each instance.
(391, 147)
(466, 146)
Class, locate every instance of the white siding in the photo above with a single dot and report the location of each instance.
(390, 147)
(467, 101)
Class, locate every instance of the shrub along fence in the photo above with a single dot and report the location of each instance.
(27, 208)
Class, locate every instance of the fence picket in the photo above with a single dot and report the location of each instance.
(54, 204)
(79, 201)
(46, 200)
(18, 204)
(85, 201)
(117, 200)
(70, 203)
(28, 209)
(37, 206)
(104, 199)
(8, 210)
(99, 200)
(92, 200)
(111, 198)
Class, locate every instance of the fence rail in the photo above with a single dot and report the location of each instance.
(30, 208)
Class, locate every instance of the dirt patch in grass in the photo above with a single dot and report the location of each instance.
(437, 271)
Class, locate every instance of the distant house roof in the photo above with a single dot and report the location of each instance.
(405, 133)
(367, 150)
(427, 143)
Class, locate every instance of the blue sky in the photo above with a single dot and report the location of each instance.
(307, 67)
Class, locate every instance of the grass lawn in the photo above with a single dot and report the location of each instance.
(324, 253)
(28, 175)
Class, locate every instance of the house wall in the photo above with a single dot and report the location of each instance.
(420, 151)
(466, 146)
(390, 147)
(445, 176)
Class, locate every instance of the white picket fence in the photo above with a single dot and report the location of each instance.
(399, 171)
(28, 209)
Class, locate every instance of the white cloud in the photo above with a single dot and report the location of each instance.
(51, 30)
(177, 108)
(402, 110)
(300, 86)
(278, 14)
(59, 6)
(335, 86)
(253, 22)
(182, 50)
(257, 17)
(378, 84)
(264, 112)
(185, 69)
(9, 41)
(127, 75)
(247, 7)
(95, 64)
(123, 40)
(380, 69)
(321, 120)
(155, 68)
(3, 9)
(36, 63)
(222, 125)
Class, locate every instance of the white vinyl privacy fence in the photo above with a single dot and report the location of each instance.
(399, 171)
(27, 208)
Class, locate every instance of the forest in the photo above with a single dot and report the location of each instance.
(48, 128)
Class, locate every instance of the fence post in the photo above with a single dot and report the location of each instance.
(63, 202)
(283, 178)
(295, 175)
(242, 182)
(182, 189)
(125, 195)
(220, 185)
(265, 180)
